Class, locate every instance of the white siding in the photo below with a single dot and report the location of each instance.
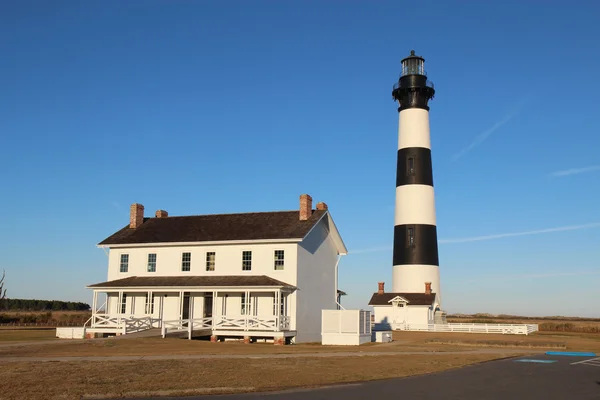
(385, 316)
(382, 316)
(317, 255)
(197, 305)
(228, 261)
(171, 306)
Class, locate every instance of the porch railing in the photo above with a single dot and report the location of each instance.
(252, 323)
(188, 325)
(125, 323)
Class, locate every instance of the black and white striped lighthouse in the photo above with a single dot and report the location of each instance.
(415, 233)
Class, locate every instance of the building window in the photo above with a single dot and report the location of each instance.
(186, 261)
(211, 259)
(124, 263)
(279, 260)
(150, 304)
(410, 237)
(124, 303)
(410, 167)
(152, 262)
(246, 260)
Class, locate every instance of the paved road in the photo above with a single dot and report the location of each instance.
(495, 380)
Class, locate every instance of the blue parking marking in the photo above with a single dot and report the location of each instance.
(570, 353)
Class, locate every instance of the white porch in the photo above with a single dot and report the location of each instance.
(223, 313)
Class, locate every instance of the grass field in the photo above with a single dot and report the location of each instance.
(50, 318)
(86, 379)
(68, 380)
(16, 334)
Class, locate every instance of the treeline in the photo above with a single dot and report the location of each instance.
(41, 305)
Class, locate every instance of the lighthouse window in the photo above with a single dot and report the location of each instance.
(411, 166)
(411, 237)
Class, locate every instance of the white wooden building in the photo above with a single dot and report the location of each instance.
(393, 310)
(248, 275)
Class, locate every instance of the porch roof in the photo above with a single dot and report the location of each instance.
(194, 281)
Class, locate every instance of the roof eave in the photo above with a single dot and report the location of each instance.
(205, 243)
(341, 246)
(157, 288)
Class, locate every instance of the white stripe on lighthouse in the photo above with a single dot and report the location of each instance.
(415, 204)
(412, 278)
(413, 128)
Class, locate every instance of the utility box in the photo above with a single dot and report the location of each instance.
(382, 336)
(345, 327)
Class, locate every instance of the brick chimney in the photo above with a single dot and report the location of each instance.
(305, 207)
(161, 214)
(136, 215)
(427, 287)
(380, 287)
(321, 206)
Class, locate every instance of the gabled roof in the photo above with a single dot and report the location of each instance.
(194, 281)
(414, 299)
(217, 227)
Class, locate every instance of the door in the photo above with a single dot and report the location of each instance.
(399, 313)
(208, 305)
(185, 311)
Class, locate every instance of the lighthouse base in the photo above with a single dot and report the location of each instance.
(412, 278)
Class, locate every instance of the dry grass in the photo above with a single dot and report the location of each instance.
(571, 341)
(500, 343)
(68, 380)
(26, 334)
(44, 318)
(175, 346)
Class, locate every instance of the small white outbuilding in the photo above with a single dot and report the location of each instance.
(396, 310)
(345, 327)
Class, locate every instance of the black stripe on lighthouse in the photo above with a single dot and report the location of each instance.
(414, 167)
(415, 244)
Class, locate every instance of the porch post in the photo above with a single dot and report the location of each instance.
(214, 308)
(278, 309)
(119, 307)
(180, 305)
(95, 303)
(248, 305)
(148, 310)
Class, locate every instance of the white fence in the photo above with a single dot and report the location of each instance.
(506, 329)
(345, 327)
(70, 333)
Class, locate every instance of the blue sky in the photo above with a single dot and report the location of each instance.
(233, 106)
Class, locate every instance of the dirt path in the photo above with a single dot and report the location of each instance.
(262, 356)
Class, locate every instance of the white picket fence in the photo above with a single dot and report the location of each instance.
(505, 329)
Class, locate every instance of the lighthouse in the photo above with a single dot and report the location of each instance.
(415, 254)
